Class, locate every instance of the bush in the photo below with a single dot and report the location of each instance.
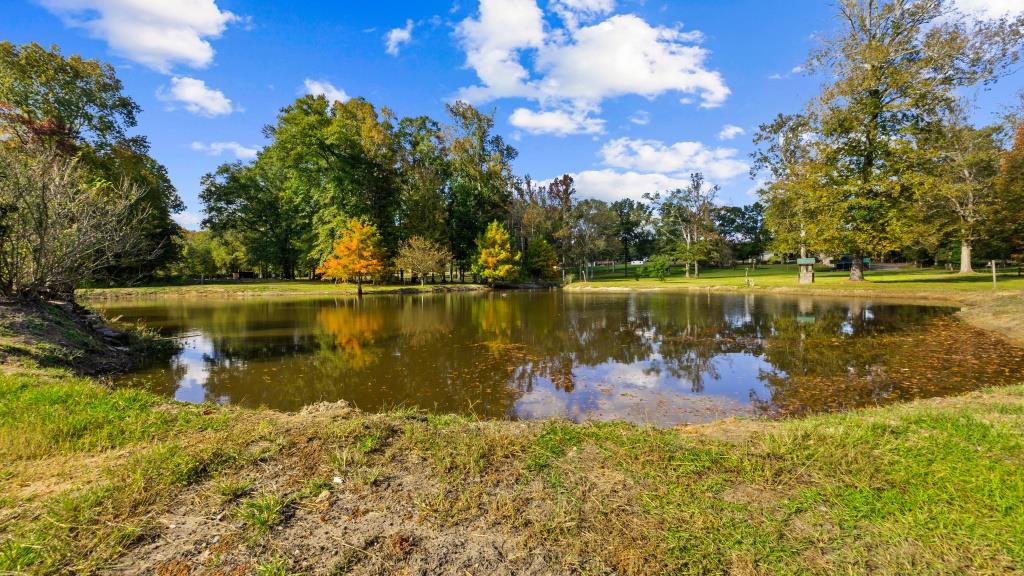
(658, 267)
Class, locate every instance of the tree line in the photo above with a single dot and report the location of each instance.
(421, 197)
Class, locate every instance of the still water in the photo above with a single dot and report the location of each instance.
(659, 358)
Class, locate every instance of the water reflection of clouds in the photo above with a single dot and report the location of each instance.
(193, 362)
(644, 392)
(609, 401)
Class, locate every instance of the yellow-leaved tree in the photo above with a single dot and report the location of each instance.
(357, 255)
(496, 260)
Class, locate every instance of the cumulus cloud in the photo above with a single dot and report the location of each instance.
(196, 97)
(557, 122)
(492, 43)
(155, 33)
(396, 37)
(579, 66)
(217, 148)
(679, 158)
(990, 8)
(572, 12)
(728, 132)
(318, 87)
(611, 185)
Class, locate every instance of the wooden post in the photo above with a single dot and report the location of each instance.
(993, 274)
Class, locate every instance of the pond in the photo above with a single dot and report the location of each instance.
(656, 357)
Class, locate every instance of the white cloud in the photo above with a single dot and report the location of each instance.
(578, 67)
(635, 57)
(156, 33)
(990, 8)
(188, 220)
(492, 42)
(612, 185)
(557, 122)
(318, 87)
(217, 148)
(729, 132)
(398, 36)
(679, 158)
(572, 12)
(640, 118)
(197, 97)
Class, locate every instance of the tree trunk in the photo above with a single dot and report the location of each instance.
(359, 288)
(696, 269)
(965, 258)
(857, 268)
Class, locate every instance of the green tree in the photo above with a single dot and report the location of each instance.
(659, 266)
(252, 203)
(337, 161)
(895, 65)
(68, 101)
(76, 107)
(423, 175)
(496, 260)
(958, 190)
(592, 234)
(541, 260)
(197, 257)
(686, 223)
(632, 228)
(1010, 188)
(481, 185)
(743, 228)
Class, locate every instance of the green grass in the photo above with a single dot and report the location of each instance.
(262, 512)
(258, 288)
(903, 281)
(64, 414)
(930, 487)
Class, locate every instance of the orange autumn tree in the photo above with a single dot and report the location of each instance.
(357, 255)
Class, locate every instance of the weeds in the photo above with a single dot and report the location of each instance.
(261, 513)
(230, 490)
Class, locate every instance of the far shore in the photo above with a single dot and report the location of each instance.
(998, 310)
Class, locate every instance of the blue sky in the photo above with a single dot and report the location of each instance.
(629, 96)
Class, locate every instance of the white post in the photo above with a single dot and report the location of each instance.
(993, 274)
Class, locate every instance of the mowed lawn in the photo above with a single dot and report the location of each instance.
(245, 288)
(902, 281)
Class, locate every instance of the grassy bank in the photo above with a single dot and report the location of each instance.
(99, 480)
(999, 310)
(262, 288)
(783, 278)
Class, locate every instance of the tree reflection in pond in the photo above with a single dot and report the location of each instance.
(666, 358)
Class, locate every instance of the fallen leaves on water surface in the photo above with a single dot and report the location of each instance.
(945, 357)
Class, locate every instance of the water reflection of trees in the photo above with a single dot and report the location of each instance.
(482, 352)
